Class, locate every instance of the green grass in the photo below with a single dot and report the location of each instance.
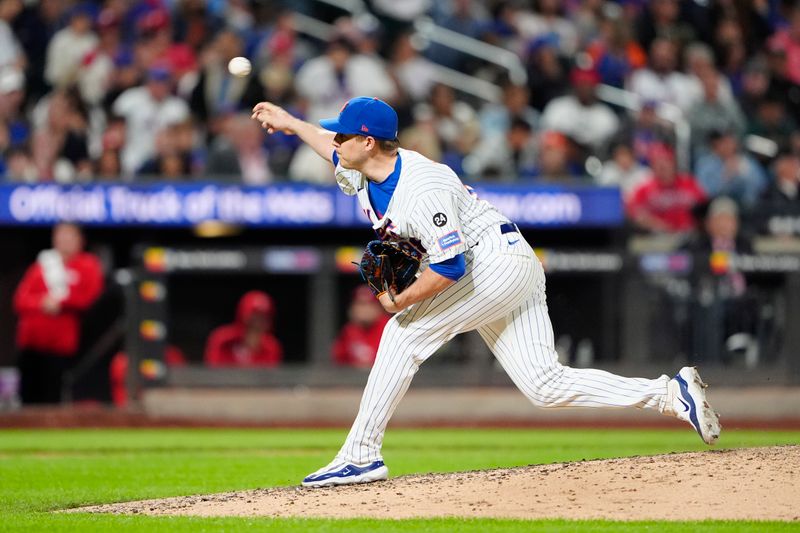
(45, 470)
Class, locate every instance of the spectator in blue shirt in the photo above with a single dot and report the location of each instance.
(725, 170)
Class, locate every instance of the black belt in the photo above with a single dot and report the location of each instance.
(509, 227)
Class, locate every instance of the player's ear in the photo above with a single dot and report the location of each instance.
(370, 143)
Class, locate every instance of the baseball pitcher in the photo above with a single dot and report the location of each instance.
(477, 273)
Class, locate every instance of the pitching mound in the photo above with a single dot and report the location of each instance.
(752, 484)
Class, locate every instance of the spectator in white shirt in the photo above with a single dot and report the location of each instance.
(238, 154)
(661, 82)
(69, 46)
(580, 116)
(97, 66)
(10, 52)
(711, 113)
(623, 170)
(147, 109)
(546, 18)
(415, 74)
(699, 60)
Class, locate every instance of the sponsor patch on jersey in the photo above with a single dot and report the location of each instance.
(449, 240)
(439, 219)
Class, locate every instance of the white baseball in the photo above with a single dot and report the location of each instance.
(239, 66)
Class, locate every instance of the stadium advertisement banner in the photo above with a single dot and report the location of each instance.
(291, 205)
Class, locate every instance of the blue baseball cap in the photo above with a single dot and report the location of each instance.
(364, 115)
(159, 73)
(84, 9)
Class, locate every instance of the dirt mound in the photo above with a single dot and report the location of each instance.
(751, 483)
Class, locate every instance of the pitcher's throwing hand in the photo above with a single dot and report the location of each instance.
(273, 118)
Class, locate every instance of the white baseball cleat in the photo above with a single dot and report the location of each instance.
(686, 399)
(344, 473)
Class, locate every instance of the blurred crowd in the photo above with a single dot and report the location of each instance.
(125, 90)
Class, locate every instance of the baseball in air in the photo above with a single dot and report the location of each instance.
(239, 66)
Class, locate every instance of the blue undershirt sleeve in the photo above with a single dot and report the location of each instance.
(452, 268)
(335, 158)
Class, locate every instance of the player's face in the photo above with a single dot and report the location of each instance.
(350, 149)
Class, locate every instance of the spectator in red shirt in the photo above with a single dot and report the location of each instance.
(787, 40)
(249, 341)
(664, 202)
(55, 290)
(357, 343)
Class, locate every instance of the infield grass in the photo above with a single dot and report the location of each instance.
(46, 470)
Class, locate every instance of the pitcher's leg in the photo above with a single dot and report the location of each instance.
(523, 343)
(402, 350)
(399, 356)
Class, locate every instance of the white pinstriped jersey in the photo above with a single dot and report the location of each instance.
(502, 296)
(431, 209)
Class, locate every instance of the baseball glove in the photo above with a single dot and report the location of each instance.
(385, 266)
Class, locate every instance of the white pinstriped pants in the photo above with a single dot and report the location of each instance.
(502, 296)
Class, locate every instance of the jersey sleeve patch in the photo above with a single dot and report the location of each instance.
(348, 180)
(448, 241)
